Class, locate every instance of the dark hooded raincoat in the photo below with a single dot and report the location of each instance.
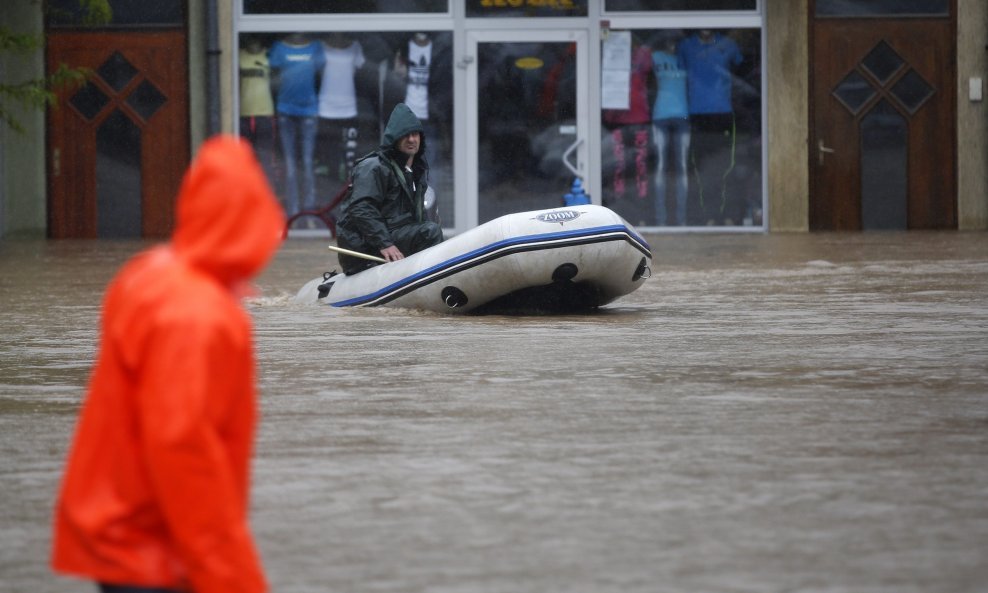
(386, 206)
(155, 492)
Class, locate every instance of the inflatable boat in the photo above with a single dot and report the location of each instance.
(560, 260)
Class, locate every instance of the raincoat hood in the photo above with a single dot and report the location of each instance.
(401, 123)
(229, 223)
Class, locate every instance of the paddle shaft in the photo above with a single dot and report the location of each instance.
(356, 254)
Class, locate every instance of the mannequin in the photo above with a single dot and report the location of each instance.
(629, 134)
(710, 58)
(670, 129)
(256, 103)
(421, 77)
(338, 103)
(298, 60)
(415, 66)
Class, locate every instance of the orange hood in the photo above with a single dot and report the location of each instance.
(229, 222)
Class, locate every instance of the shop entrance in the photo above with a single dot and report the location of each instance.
(528, 120)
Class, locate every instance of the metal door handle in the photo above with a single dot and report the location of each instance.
(566, 154)
(823, 150)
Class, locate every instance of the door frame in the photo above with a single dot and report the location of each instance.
(468, 215)
(74, 213)
(814, 137)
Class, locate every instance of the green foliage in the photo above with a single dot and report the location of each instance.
(40, 93)
(37, 94)
(96, 12)
(21, 43)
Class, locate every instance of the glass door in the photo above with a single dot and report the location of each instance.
(528, 121)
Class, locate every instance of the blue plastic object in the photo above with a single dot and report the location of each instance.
(576, 195)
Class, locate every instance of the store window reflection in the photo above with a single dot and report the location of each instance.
(527, 106)
(679, 5)
(314, 103)
(681, 123)
(344, 6)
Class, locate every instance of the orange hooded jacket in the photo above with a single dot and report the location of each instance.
(155, 492)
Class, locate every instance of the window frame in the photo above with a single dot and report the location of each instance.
(459, 26)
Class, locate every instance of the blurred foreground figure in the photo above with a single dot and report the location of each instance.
(155, 492)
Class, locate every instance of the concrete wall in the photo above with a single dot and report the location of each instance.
(972, 117)
(787, 67)
(198, 101)
(22, 155)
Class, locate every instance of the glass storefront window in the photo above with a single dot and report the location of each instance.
(679, 5)
(681, 124)
(314, 103)
(345, 6)
(526, 8)
(527, 106)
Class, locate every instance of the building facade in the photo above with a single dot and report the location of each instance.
(700, 116)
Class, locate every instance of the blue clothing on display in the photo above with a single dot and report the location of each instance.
(293, 129)
(708, 64)
(670, 72)
(298, 65)
(672, 147)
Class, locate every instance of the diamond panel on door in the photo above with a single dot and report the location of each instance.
(882, 62)
(89, 100)
(854, 91)
(146, 100)
(912, 91)
(885, 67)
(117, 71)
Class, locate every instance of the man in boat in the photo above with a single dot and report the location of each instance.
(384, 212)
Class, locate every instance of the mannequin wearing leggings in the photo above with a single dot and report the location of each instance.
(670, 131)
(709, 58)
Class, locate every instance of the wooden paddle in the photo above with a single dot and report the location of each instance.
(356, 254)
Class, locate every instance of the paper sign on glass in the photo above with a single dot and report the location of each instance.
(615, 88)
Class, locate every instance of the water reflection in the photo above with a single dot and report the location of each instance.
(782, 412)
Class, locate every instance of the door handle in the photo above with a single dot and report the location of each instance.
(56, 162)
(822, 150)
(566, 154)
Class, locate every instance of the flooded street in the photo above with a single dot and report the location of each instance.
(769, 413)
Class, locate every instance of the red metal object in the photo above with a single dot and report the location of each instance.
(325, 214)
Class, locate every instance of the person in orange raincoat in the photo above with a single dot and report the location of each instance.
(155, 492)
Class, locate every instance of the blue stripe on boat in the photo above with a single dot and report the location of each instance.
(488, 252)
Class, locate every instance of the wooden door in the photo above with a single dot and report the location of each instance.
(882, 137)
(118, 146)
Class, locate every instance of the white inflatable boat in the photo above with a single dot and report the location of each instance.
(561, 260)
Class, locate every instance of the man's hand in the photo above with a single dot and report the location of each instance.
(392, 253)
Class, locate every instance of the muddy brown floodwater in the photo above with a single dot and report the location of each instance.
(769, 413)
